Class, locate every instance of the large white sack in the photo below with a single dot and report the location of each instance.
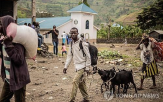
(26, 36)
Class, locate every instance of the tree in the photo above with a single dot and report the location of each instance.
(151, 16)
(21, 15)
(85, 2)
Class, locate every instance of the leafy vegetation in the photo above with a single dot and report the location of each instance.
(21, 15)
(85, 2)
(127, 31)
(109, 54)
(151, 17)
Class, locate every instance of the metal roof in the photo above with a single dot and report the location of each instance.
(46, 23)
(82, 8)
(158, 31)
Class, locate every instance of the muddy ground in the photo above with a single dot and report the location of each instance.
(49, 84)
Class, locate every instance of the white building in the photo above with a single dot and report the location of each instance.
(82, 17)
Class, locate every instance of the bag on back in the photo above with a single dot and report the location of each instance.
(92, 50)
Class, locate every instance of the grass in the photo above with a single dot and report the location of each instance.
(111, 54)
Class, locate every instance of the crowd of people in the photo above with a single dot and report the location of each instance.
(14, 69)
(55, 33)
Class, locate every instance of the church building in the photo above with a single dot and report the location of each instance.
(82, 17)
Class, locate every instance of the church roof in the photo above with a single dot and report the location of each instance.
(46, 23)
(82, 8)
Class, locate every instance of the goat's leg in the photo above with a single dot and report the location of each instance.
(134, 86)
(101, 88)
(111, 87)
(122, 86)
(106, 87)
(125, 88)
(118, 88)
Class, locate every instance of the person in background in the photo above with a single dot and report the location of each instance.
(40, 37)
(63, 49)
(64, 37)
(29, 24)
(82, 37)
(33, 25)
(69, 39)
(25, 24)
(67, 36)
(14, 70)
(55, 34)
(82, 65)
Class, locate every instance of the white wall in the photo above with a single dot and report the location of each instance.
(90, 18)
(65, 28)
(78, 17)
(82, 18)
(94, 35)
(61, 29)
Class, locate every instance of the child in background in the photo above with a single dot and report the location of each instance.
(63, 49)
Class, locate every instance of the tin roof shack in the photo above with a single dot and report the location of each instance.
(157, 34)
(8, 7)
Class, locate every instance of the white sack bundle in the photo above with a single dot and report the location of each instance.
(26, 36)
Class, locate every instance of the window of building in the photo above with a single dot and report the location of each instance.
(87, 24)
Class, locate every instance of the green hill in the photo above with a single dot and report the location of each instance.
(116, 10)
(128, 19)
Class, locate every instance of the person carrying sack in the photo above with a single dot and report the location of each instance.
(149, 67)
(14, 71)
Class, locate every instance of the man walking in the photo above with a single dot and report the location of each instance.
(55, 34)
(82, 64)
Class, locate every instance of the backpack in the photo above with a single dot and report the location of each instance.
(92, 50)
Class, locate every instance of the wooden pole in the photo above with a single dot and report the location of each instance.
(15, 10)
(109, 28)
(33, 11)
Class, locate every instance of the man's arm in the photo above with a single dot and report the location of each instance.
(48, 32)
(88, 57)
(69, 58)
(138, 47)
(56, 32)
(15, 52)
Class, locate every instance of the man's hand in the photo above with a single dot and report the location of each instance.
(64, 70)
(8, 40)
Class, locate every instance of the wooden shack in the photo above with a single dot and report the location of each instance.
(157, 34)
(8, 7)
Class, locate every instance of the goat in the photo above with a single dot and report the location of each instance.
(104, 76)
(122, 77)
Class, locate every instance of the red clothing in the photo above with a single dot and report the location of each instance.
(63, 48)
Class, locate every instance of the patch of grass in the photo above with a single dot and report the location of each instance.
(136, 62)
(111, 54)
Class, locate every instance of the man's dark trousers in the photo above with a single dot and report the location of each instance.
(6, 94)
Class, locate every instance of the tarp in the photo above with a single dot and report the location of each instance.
(158, 50)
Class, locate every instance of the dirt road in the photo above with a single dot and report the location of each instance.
(49, 84)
